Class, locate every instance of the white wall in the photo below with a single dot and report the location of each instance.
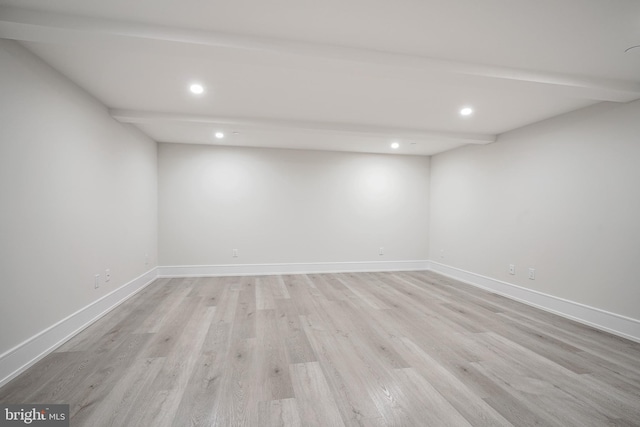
(81, 192)
(288, 206)
(78, 193)
(562, 196)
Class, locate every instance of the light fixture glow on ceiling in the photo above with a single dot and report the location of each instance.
(219, 135)
(395, 145)
(196, 89)
(466, 111)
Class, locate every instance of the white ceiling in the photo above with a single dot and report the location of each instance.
(336, 75)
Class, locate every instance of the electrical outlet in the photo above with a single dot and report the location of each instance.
(96, 283)
(146, 259)
(234, 253)
(442, 253)
(107, 275)
(532, 274)
(381, 251)
(512, 269)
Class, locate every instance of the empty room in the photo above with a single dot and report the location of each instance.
(297, 213)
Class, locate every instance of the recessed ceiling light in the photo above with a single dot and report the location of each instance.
(219, 135)
(466, 111)
(395, 145)
(196, 89)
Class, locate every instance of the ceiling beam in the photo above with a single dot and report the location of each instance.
(34, 26)
(146, 117)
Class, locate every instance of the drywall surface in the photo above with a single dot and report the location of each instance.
(78, 193)
(561, 196)
(289, 206)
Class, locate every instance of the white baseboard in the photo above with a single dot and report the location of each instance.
(16, 360)
(291, 268)
(21, 357)
(616, 324)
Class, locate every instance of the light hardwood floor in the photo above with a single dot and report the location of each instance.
(365, 349)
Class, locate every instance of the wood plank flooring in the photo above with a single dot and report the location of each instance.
(365, 349)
